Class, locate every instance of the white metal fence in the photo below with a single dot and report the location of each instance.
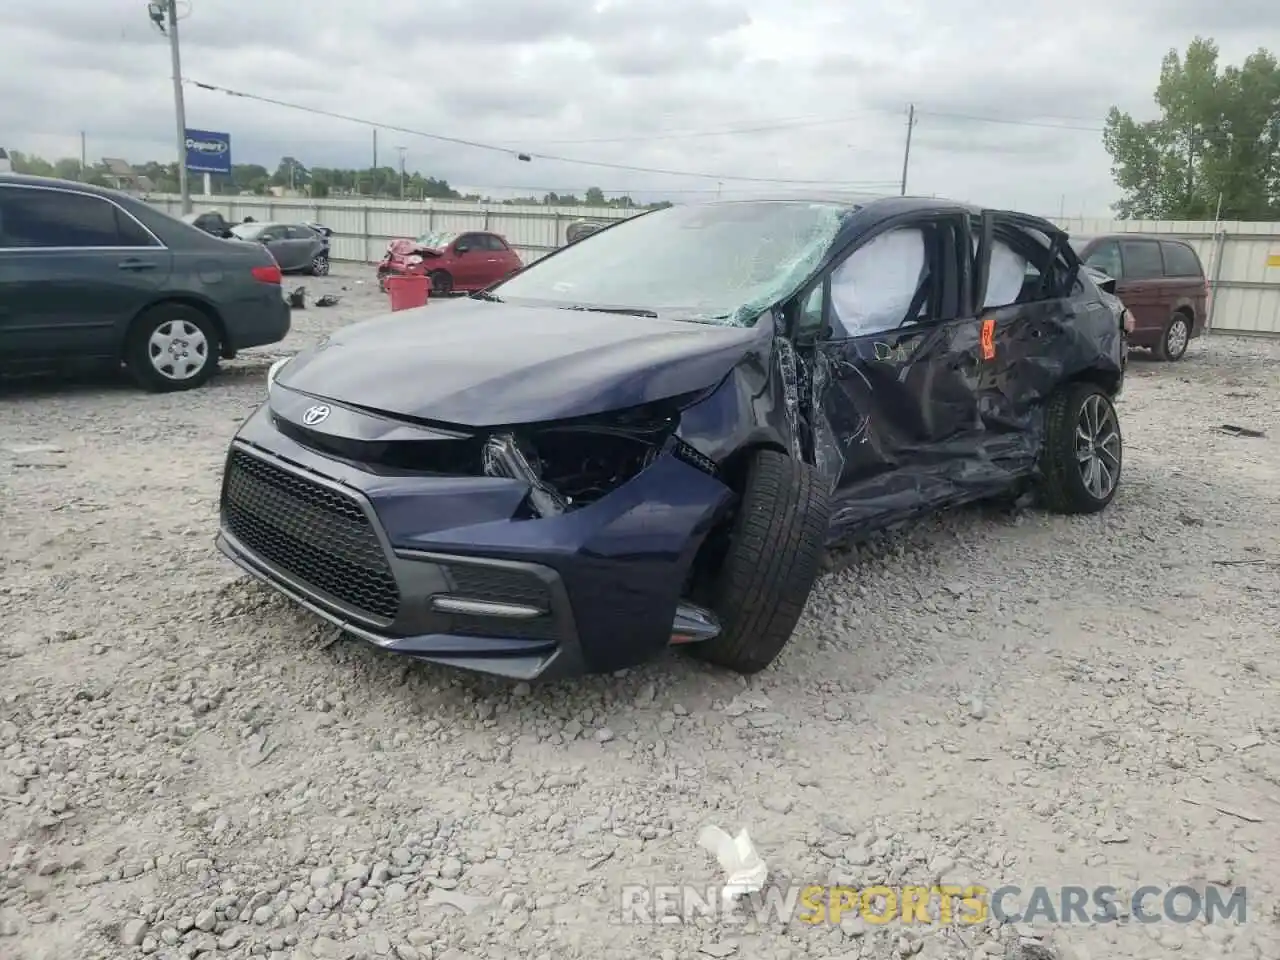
(1242, 259)
(362, 229)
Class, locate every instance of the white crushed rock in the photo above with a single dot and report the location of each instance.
(189, 766)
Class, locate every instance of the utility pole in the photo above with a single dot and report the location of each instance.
(180, 109)
(402, 150)
(373, 171)
(84, 168)
(906, 154)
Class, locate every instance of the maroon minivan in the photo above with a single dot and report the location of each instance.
(1162, 283)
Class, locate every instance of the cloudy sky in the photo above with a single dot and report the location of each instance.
(789, 90)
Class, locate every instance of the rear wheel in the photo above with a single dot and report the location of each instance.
(1177, 334)
(1083, 450)
(172, 347)
(441, 283)
(772, 559)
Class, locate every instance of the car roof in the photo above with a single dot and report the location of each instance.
(1164, 238)
(29, 180)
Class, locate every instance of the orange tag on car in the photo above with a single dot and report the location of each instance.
(988, 339)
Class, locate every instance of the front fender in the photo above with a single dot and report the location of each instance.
(752, 406)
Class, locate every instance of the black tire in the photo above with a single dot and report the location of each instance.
(320, 265)
(441, 283)
(1063, 485)
(773, 557)
(1173, 341)
(172, 319)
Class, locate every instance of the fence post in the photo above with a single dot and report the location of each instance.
(431, 218)
(1219, 247)
(556, 242)
(486, 216)
(364, 233)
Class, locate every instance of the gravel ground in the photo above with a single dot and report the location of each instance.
(190, 765)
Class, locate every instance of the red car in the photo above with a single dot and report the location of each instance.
(453, 260)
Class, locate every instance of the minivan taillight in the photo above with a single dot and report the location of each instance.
(269, 274)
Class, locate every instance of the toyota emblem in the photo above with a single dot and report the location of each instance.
(314, 415)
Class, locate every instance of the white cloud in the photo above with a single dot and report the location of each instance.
(532, 74)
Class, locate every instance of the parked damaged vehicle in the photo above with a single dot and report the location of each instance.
(297, 247)
(461, 262)
(648, 437)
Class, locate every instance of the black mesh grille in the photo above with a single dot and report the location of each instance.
(499, 585)
(310, 531)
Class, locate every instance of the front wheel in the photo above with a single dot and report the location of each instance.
(772, 560)
(320, 265)
(172, 347)
(441, 283)
(1083, 450)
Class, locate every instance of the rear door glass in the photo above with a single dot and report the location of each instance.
(1180, 260)
(132, 233)
(55, 218)
(1141, 260)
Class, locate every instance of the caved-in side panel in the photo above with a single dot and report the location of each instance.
(904, 412)
(924, 419)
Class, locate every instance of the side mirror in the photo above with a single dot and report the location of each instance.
(1107, 285)
(460, 248)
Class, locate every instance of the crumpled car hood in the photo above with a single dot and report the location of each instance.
(405, 248)
(480, 364)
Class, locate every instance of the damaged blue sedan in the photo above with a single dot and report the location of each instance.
(649, 437)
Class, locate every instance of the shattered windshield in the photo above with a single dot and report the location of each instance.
(714, 263)
(436, 239)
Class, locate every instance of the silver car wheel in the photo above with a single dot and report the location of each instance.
(178, 350)
(320, 265)
(1098, 447)
(1175, 341)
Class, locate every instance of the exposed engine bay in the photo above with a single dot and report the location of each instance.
(571, 466)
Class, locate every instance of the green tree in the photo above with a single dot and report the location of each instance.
(291, 173)
(1217, 138)
(319, 181)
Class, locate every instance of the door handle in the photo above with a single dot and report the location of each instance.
(132, 264)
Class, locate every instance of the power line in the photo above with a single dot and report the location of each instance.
(765, 127)
(478, 145)
(811, 120)
(1007, 120)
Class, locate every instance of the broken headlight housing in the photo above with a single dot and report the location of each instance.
(573, 463)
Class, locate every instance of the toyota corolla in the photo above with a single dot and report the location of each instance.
(649, 437)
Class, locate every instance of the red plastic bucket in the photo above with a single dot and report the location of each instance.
(408, 291)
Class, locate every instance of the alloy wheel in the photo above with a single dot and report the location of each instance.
(1175, 341)
(1098, 446)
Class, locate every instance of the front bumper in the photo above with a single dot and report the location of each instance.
(437, 568)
